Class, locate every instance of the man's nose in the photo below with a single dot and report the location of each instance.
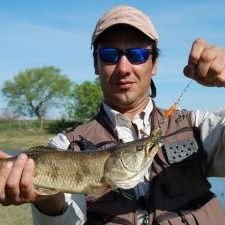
(123, 66)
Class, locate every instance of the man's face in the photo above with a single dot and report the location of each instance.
(125, 85)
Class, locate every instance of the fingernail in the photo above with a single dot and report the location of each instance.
(9, 165)
(30, 161)
(22, 156)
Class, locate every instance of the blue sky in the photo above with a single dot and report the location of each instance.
(37, 33)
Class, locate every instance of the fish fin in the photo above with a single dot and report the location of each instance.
(97, 192)
(41, 148)
(45, 191)
(36, 148)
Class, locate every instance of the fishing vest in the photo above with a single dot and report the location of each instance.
(179, 190)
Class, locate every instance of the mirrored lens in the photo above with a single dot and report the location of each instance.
(138, 55)
(109, 55)
(134, 55)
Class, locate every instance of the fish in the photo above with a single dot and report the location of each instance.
(92, 173)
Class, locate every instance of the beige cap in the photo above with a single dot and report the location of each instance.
(125, 15)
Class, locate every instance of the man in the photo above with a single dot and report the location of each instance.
(175, 191)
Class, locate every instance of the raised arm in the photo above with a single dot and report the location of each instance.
(206, 64)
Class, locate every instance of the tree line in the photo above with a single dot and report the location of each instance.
(38, 91)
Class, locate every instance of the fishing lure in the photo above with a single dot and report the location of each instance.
(171, 109)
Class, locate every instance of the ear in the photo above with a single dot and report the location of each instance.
(153, 89)
(154, 68)
(96, 63)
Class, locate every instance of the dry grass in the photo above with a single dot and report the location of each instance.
(22, 139)
(19, 140)
(15, 215)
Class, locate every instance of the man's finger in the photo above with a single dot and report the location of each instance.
(197, 48)
(4, 155)
(4, 174)
(189, 71)
(206, 61)
(27, 191)
(12, 185)
(217, 66)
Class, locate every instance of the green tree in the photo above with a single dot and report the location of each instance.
(34, 91)
(85, 100)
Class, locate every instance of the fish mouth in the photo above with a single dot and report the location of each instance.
(133, 180)
(136, 176)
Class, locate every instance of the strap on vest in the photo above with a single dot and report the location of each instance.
(86, 145)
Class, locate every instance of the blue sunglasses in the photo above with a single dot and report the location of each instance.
(134, 55)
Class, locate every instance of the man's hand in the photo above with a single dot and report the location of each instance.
(206, 64)
(16, 181)
(16, 187)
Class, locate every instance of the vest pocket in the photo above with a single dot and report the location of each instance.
(175, 186)
(177, 180)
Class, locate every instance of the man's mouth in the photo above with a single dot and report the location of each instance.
(124, 84)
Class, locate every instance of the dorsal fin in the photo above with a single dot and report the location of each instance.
(40, 149)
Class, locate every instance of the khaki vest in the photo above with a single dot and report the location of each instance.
(179, 190)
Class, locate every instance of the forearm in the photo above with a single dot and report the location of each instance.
(212, 134)
(52, 206)
(74, 212)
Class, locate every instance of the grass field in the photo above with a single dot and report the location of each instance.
(22, 134)
(23, 139)
(15, 215)
(14, 138)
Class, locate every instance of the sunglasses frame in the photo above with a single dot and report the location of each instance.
(144, 54)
